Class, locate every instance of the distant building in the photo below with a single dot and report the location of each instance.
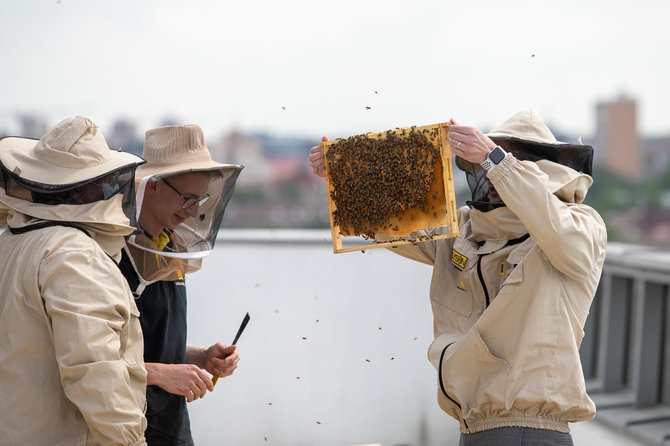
(617, 143)
(33, 126)
(656, 154)
(642, 226)
(236, 148)
(169, 120)
(123, 136)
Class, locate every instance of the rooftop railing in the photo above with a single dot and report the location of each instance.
(626, 350)
(626, 347)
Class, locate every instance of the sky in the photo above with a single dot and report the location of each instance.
(335, 68)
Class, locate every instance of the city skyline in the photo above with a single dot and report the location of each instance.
(305, 68)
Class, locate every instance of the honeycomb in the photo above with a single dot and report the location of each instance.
(391, 183)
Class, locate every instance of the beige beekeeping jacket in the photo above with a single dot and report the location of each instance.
(71, 367)
(509, 310)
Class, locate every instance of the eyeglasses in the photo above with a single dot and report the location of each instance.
(188, 202)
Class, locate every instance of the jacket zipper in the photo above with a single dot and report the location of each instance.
(481, 279)
(515, 241)
(445, 390)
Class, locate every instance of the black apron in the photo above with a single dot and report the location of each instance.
(162, 307)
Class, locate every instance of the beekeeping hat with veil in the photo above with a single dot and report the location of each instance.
(68, 176)
(171, 151)
(529, 139)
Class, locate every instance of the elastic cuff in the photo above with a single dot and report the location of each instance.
(517, 421)
(501, 169)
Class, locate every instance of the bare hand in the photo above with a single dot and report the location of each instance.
(187, 380)
(221, 359)
(316, 160)
(469, 142)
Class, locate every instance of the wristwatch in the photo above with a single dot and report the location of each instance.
(494, 158)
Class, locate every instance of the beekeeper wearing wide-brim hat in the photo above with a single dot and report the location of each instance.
(182, 194)
(510, 294)
(68, 323)
(72, 171)
(172, 151)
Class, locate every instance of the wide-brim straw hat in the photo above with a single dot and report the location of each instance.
(528, 133)
(176, 149)
(72, 152)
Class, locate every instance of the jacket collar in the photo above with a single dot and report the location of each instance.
(496, 226)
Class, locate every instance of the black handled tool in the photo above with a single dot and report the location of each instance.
(243, 325)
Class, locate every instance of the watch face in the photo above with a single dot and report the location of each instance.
(497, 154)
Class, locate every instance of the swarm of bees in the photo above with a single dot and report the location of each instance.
(375, 178)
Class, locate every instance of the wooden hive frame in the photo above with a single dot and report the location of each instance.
(441, 195)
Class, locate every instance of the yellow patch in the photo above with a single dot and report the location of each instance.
(179, 275)
(502, 268)
(458, 259)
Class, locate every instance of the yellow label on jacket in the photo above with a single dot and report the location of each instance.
(458, 259)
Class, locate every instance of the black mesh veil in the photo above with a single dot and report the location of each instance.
(119, 181)
(189, 242)
(575, 156)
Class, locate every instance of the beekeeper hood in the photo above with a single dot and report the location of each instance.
(527, 136)
(173, 151)
(69, 176)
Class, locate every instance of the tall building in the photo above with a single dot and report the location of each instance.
(617, 145)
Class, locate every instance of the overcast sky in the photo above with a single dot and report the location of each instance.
(314, 67)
